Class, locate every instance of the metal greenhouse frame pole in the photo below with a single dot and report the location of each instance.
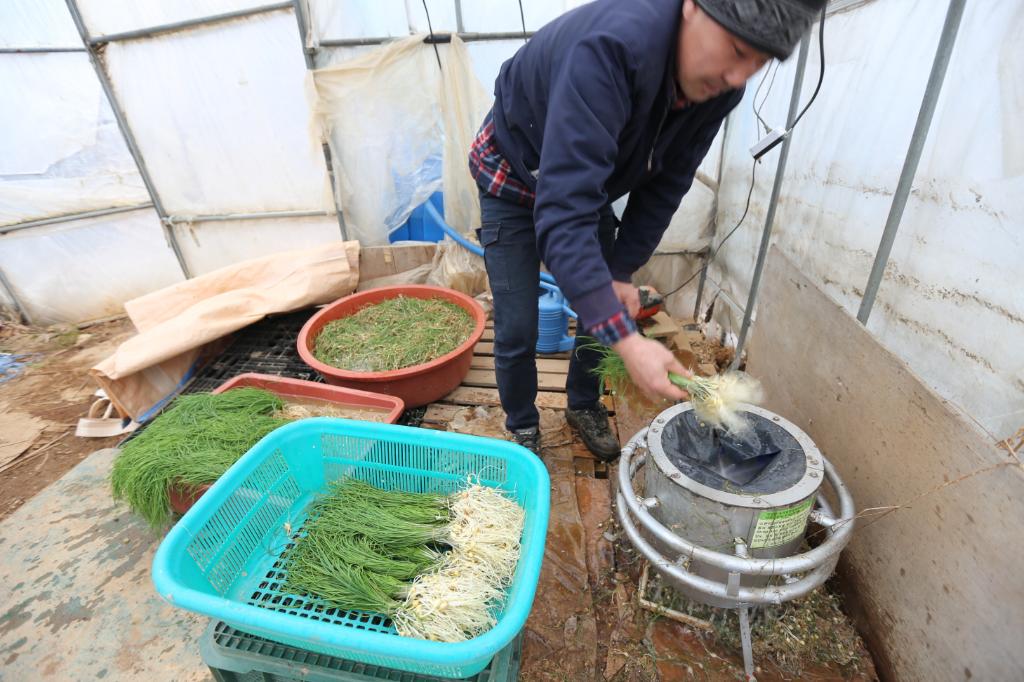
(769, 220)
(947, 39)
(466, 37)
(9, 290)
(70, 217)
(309, 54)
(129, 138)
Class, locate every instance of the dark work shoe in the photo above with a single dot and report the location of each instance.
(592, 425)
(528, 438)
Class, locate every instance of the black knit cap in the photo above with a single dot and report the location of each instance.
(772, 26)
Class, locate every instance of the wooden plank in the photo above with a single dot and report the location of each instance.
(488, 334)
(584, 466)
(486, 379)
(440, 414)
(487, 348)
(467, 395)
(942, 563)
(546, 365)
(660, 325)
(381, 261)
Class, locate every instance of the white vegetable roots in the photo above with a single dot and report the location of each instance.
(457, 600)
(726, 392)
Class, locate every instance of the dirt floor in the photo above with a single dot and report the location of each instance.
(41, 406)
(586, 623)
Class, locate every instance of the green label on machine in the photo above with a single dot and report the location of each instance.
(779, 526)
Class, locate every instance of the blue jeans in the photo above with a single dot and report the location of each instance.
(513, 268)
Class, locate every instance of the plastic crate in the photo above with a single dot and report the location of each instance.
(223, 558)
(235, 656)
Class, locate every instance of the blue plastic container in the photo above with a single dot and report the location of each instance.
(222, 559)
(420, 226)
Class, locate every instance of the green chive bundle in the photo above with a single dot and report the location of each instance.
(393, 334)
(437, 565)
(193, 443)
(715, 399)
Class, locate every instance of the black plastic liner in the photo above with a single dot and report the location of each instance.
(766, 459)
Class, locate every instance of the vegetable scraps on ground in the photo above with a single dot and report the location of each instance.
(437, 565)
(715, 399)
(393, 334)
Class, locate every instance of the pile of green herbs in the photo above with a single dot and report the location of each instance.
(192, 443)
(393, 334)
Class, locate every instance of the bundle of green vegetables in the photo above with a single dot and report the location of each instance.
(437, 565)
(192, 443)
(715, 399)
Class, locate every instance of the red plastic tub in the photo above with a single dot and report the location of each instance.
(183, 498)
(416, 385)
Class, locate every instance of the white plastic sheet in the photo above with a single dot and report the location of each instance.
(442, 15)
(86, 269)
(222, 117)
(948, 304)
(105, 16)
(492, 16)
(37, 23)
(62, 151)
(208, 246)
(358, 18)
(388, 115)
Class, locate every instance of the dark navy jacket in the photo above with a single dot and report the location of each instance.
(583, 114)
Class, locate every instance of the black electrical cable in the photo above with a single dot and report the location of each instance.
(771, 81)
(750, 192)
(522, 19)
(433, 42)
(821, 73)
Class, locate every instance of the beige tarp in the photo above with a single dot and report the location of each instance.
(181, 325)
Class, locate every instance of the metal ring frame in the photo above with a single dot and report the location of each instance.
(818, 563)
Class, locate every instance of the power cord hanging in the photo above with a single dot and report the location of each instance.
(753, 171)
(750, 192)
(522, 20)
(433, 41)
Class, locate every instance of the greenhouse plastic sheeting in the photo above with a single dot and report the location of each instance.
(212, 245)
(37, 23)
(948, 303)
(222, 117)
(102, 17)
(63, 152)
(86, 269)
(396, 128)
(350, 19)
(176, 324)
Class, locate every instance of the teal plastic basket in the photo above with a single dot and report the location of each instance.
(223, 558)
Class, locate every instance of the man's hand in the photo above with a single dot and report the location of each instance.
(629, 296)
(649, 363)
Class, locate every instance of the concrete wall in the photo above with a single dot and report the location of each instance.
(937, 582)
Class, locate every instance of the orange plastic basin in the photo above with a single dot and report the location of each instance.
(417, 385)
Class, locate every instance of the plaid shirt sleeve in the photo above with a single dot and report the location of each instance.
(614, 329)
(492, 172)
